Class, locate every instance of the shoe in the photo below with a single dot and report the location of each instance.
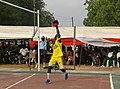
(47, 81)
(66, 76)
(111, 66)
(102, 66)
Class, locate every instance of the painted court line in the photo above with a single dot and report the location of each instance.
(17, 69)
(111, 82)
(20, 81)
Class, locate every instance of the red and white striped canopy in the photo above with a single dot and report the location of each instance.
(98, 36)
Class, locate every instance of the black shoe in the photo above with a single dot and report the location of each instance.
(47, 81)
(66, 76)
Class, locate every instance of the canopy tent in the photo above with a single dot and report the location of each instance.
(67, 34)
(98, 36)
(65, 41)
(49, 32)
(103, 42)
(16, 32)
(113, 39)
(69, 41)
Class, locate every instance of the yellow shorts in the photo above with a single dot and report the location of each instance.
(53, 61)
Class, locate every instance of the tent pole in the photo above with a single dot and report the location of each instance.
(80, 56)
(38, 40)
(34, 17)
(74, 45)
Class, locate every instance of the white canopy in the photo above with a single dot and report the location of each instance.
(50, 32)
(16, 32)
(88, 32)
(98, 32)
(96, 36)
(90, 35)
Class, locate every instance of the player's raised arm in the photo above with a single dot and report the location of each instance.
(55, 24)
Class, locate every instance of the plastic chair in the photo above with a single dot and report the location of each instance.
(118, 56)
(109, 56)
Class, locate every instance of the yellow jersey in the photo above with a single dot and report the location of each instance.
(57, 48)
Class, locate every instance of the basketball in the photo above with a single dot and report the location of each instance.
(55, 23)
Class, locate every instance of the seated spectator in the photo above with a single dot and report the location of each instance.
(111, 56)
(24, 54)
(96, 58)
(69, 56)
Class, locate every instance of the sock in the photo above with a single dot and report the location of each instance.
(48, 75)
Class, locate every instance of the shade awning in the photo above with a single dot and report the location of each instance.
(70, 41)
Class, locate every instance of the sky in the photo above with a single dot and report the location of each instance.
(64, 10)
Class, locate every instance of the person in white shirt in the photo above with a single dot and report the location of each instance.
(23, 52)
(43, 50)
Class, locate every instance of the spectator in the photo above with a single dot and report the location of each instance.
(24, 54)
(43, 50)
(69, 56)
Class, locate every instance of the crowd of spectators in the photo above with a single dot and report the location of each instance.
(13, 51)
(92, 55)
(19, 52)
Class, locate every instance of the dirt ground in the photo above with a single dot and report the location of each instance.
(71, 68)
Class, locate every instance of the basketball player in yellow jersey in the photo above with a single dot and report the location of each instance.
(57, 55)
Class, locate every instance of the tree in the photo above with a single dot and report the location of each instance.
(102, 13)
(47, 18)
(13, 16)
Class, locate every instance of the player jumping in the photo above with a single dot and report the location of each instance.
(57, 54)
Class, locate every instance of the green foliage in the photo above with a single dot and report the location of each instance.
(102, 13)
(13, 16)
(47, 18)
